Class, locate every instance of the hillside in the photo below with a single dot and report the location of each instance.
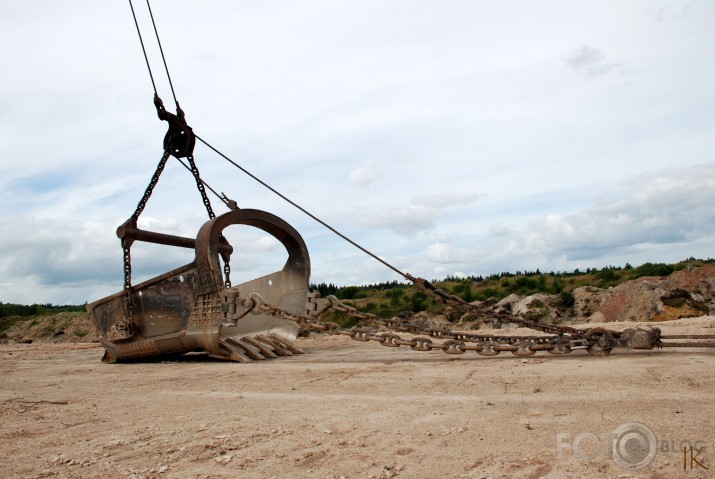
(553, 297)
(65, 326)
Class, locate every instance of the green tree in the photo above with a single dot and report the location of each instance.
(417, 301)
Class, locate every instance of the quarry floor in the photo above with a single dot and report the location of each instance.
(356, 410)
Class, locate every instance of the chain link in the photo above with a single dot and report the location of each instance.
(152, 183)
(455, 301)
(227, 274)
(200, 186)
(127, 269)
(457, 342)
(125, 328)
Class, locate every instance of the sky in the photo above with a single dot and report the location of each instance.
(450, 137)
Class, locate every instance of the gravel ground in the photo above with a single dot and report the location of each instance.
(356, 410)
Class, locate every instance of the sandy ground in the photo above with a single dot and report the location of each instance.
(354, 410)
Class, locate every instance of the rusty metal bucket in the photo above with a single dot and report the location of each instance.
(190, 309)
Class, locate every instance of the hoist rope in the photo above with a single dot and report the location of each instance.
(311, 215)
(156, 32)
(141, 40)
(161, 49)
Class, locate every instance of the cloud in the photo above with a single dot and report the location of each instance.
(420, 214)
(51, 255)
(498, 229)
(362, 176)
(661, 16)
(444, 200)
(267, 243)
(404, 220)
(665, 215)
(82, 260)
(423, 110)
(440, 252)
(666, 207)
(75, 253)
(590, 61)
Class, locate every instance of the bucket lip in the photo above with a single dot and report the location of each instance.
(138, 287)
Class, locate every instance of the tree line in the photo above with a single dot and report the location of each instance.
(12, 309)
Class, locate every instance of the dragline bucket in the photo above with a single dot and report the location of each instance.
(191, 309)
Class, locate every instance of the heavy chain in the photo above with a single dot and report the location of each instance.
(200, 186)
(597, 341)
(126, 328)
(457, 342)
(227, 274)
(152, 183)
(455, 301)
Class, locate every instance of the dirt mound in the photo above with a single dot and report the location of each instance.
(684, 294)
(73, 327)
(688, 293)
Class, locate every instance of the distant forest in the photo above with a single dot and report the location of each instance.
(528, 281)
(395, 298)
(10, 309)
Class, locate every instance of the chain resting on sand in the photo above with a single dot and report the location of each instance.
(559, 339)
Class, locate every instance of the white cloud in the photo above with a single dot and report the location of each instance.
(404, 220)
(480, 148)
(664, 215)
(590, 61)
(268, 243)
(440, 253)
(498, 229)
(665, 207)
(362, 176)
(444, 200)
(53, 255)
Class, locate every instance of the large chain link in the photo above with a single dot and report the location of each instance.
(457, 342)
(125, 328)
(455, 301)
(152, 183)
(200, 186)
(597, 341)
(227, 274)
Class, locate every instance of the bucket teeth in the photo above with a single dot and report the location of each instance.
(247, 349)
(233, 352)
(286, 344)
(265, 349)
(278, 347)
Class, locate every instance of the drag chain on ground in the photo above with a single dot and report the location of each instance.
(597, 341)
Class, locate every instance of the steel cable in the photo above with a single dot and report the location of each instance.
(156, 32)
(141, 40)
